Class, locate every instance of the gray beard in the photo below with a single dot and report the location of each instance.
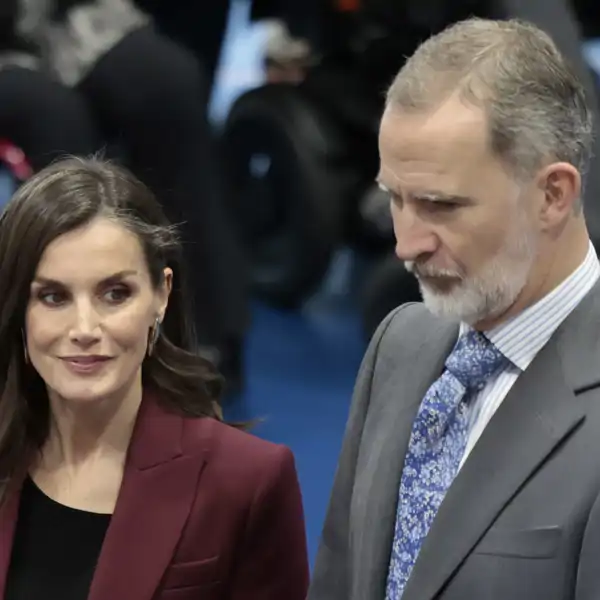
(491, 292)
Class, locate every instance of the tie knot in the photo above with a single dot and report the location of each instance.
(474, 360)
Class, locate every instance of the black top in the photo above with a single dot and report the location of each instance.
(55, 549)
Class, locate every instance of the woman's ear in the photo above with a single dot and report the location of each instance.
(164, 292)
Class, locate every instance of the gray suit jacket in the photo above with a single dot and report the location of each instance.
(521, 520)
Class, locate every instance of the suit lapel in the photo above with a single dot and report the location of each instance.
(158, 488)
(537, 414)
(388, 431)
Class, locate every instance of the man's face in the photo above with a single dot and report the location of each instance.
(462, 224)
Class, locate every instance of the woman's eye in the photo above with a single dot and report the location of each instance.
(52, 298)
(117, 295)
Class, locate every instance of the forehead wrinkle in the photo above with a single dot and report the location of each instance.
(421, 180)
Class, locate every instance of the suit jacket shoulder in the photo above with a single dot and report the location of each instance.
(238, 453)
(246, 510)
(408, 341)
(410, 325)
(251, 487)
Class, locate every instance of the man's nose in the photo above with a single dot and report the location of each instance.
(413, 237)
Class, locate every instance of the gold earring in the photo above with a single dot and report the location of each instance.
(153, 336)
(25, 353)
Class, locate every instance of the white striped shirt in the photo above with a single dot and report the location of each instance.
(522, 337)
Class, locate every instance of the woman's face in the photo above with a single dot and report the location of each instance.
(90, 311)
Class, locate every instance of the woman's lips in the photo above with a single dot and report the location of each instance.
(86, 364)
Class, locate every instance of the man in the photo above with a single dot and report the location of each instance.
(471, 463)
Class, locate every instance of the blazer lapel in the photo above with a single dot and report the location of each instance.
(388, 430)
(537, 414)
(158, 488)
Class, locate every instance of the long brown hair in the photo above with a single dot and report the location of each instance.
(63, 197)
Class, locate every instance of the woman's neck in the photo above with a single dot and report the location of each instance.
(81, 432)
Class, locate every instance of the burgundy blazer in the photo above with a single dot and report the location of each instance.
(205, 512)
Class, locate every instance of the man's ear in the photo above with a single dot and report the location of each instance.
(560, 184)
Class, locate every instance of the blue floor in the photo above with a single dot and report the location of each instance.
(301, 370)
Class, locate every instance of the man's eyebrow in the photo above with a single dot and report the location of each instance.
(111, 278)
(437, 196)
(428, 195)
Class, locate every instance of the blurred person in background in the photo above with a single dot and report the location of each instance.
(118, 477)
(201, 27)
(148, 95)
(469, 467)
(37, 114)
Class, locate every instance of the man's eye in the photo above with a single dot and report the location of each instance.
(442, 205)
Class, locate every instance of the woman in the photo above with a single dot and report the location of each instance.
(118, 478)
(149, 97)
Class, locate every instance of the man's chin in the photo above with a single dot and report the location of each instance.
(440, 285)
(453, 305)
(466, 306)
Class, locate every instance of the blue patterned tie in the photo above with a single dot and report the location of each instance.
(436, 447)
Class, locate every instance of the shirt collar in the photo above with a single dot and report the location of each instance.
(525, 334)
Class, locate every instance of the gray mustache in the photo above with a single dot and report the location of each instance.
(425, 271)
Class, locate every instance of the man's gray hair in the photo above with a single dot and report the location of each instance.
(535, 104)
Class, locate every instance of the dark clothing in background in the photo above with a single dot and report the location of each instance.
(44, 118)
(150, 96)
